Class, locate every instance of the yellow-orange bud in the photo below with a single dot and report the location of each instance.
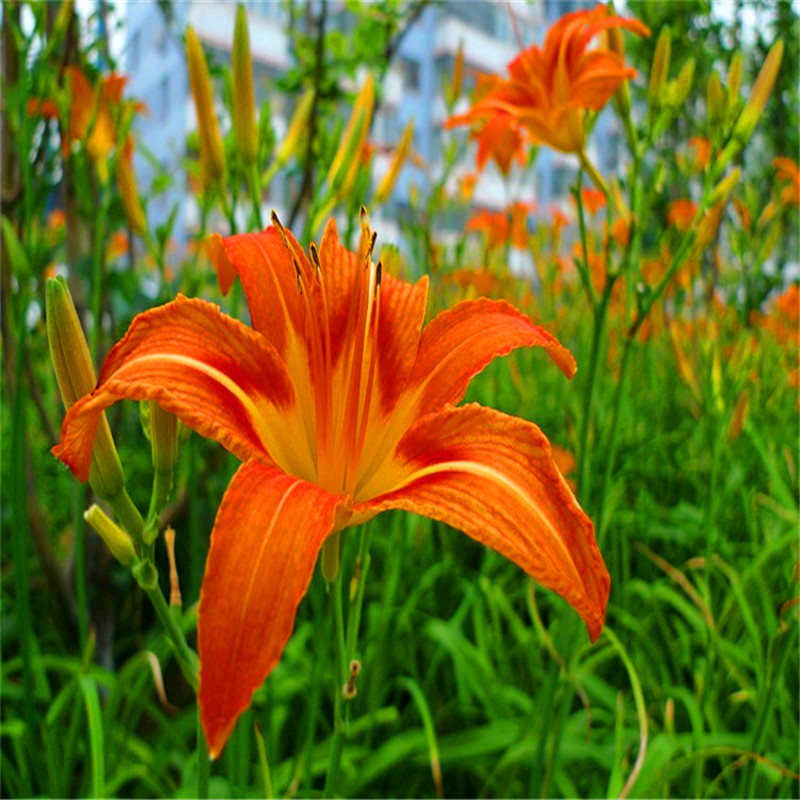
(734, 79)
(762, 89)
(454, 86)
(244, 114)
(76, 377)
(725, 186)
(117, 541)
(345, 162)
(128, 193)
(212, 155)
(297, 128)
(390, 178)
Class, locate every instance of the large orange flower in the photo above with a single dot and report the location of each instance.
(548, 89)
(340, 405)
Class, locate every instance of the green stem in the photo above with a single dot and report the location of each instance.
(187, 658)
(127, 514)
(598, 330)
(339, 718)
(255, 194)
(98, 263)
(203, 762)
(583, 267)
(611, 446)
(81, 596)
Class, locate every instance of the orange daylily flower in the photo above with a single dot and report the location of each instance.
(501, 227)
(340, 405)
(92, 113)
(593, 199)
(702, 151)
(681, 213)
(549, 89)
(788, 170)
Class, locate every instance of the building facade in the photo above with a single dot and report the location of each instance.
(491, 33)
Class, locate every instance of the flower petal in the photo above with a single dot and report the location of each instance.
(268, 532)
(269, 279)
(402, 313)
(459, 343)
(493, 477)
(218, 376)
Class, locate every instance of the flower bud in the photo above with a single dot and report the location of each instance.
(734, 79)
(715, 102)
(453, 88)
(660, 68)
(212, 155)
(76, 377)
(682, 85)
(622, 95)
(244, 116)
(164, 442)
(724, 187)
(297, 128)
(345, 162)
(117, 541)
(390, 178)
(762, 89)
(128, 193)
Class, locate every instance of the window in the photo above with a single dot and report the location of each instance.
(162, 110)
(411, 73)
(134, 45)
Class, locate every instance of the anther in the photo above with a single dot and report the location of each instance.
(378, 274)
(312, 249)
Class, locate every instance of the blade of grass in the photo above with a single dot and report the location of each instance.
(94, 719)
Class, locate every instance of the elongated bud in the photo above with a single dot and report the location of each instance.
(725, 186)
(76, 378)
(715, 102)
(622, 95)
(390, 178)
(762, 89)
(682, 85)
(660, 68)
(454, 86)
(297, 128)
(212, 156)
(734, 79)
(164, 442)
(117, 541)
(128, 193)
(345, 162)
(244, 109)
(63, 19)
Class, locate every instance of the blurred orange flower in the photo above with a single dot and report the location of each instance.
(593, 199)
(681, 213)
(788, 170)
(549, 89)
(503, 227)
(702, 151)
(93, 112)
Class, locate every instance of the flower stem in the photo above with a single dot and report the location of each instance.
(187, 659)
(339, 718)
(203, 765)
